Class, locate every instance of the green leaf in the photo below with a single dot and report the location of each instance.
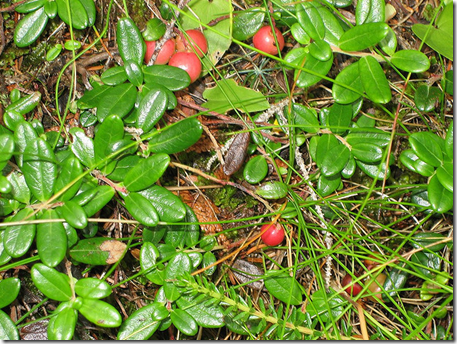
(4, 256)
(374, 170)
(427, 262)
(8, 330)
(440, 198)
(389, 43)
(321, 50)
(335, 160)
(363, 36)
(23, 135)
(449, 141)
(30, 6)
(310, 20)
(98, 251)
(123, 166)
(407, 158)
(89, 6)
(227, 95)
(184, 322)
(100, 313)
(374, 81)
(177, 137)
(139, 325)
(12, 120)
(305, 118)
(326, 185)
(146, 172)
(134, 72)
(92, 98)
(426, 147)
(82, 147)
(70, 170)
(445, 174)
(333, 28)
(24, 105)
(426, 97)
(173, 78)
(325, 144)
(349, 169)
(370, 11)
(141, 209)
(6, 149)
(422, 239)
(440, 40)
(176, 268)
(117, 100)
(18, 239)
(185, 234)
(395, 281)
(92, 288)
(113, 76)
(367, 152)
(52, 251)
(285, 288)
(299, 34)
(51, 283)
(272, 190)
(172, 102)
(62, 326)
(321, 68)
(109, 133)
(148, 257)
(208, 259)
(339, 118)
(376, 136)
(9, 290)
(423, 168)
(104, 194)
(208, 316)
(412, 61)
(322, 303)
(30, 28)
(247, 23)
(155, 29)
(255, 170)
(78, 15)
(169, 206)
(74, 214)
(348, 77)
(151, 109)
(130, 41)
(20, 191)
(39, 168)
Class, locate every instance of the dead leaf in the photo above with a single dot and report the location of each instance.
(114, 248)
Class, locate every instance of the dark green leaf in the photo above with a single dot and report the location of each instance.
(77, 16)
(412, 61)
(326, 185)
(117, 100)
(184, 322)
(389, 43)
(423, 168)
(333, 28)
(151, 109)
(155, 29)
(18, 239)
(285, 288)
(113, 76)
(9, 290)
(247, 23)
(148, 257)
(82, 147)
(39, 168)
(74, 214)
(348, 77)
(208, 259)
(92, 98)
(370, 11)
(4, 256)
(321, 50)
(6, 149)
(110, 131)
(209, 316)
(296, 57)
(51, 239)
(169, 206)
(123, 166)
(103, 196)
(426, 97)
(100, 313)
(440, 198)
(426, 147)
(374, 171)
(322, 303)
(299, 34)
(70, 170)
(51, 283)
(89, 6)
(335, 160)
(146, 172)
(177, 267)
(24, 105)
(407, 158)
(363, 36)
(20, 191)
(310, 20)
(140, 325)
(320, 69)
(426, 263)
(30, 28)
(376, 136)
(395, 281)
(171, 98)
(305, 118)
(141, 209)
(29, 6)
(429, 239)
(374, 81)
(12, 119)
(367, 152)
(255, 170)
(445, 174)
(173, 78)
(62, 326)
(8, 330)
(92, 288)
(177, 137)
(130, 41)
(272, 190)
(134, 72)
(449, 141)
(339, 118)
(98, 251)
(325, 144)
(181, 235)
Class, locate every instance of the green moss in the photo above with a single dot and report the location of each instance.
(229, 197)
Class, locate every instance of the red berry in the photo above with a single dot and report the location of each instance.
(189, 62)
(273, 234)
(352, 290)
(265, 41)
(168, 49)
(195, 39)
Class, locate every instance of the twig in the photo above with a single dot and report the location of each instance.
(12, 7)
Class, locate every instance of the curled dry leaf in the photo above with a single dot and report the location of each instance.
(251, 272)
(236, 154)
(114, 248)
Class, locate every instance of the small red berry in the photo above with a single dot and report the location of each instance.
(265, 41)
(273, 234)
(168, 49)
(352, 290)
(195, 39)
(189, 62)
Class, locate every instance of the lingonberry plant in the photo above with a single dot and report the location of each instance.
(134, 205)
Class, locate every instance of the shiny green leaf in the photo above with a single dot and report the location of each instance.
(30, 28)
(367, 152)
(272, 190)
(82, 147)
(370, 11)
(98, 251)
(54, 51)
(8, 330)
(376, 136)
(173, 78)
(326, 185)
(24, 105)
(18, 239)
(177, 267)
(51, 251)
(440, 198)
(148, 257)
(151, 109)
(177, 137)
(186, 234)
(349, 169)
(29, 6)
(208, 259)
(426, 147)
(171, 98)
(429, 239)
(62, 326)
(169, 206)
(449, 141)
(146, 172)
(285, 288)
(389, 43)
(104, 194)
(51, 283)
(335, 160)
(74, 214)
(92, 98)
(130, 41)
(427, 97)
(320, 69)
(208, 316)
(333, 28)
(70, 170)
(50, 8)
(114, 76)
(339, 118)
(247, 23)
(134, 72)
(412, 61)
(305, 118)
(321, 50)
(374, 81)
(324, 145)
(299, 34)
(155, 29)
(110, 131)
(310, 20)
(12, 120)
(118, 100)
(184, 322)
(348, 77)
(9, 290)
(123, 166)
(77, 16)
(322, 303)
(6, 149)
(100, 313)
(255, 170)
(92, 288)
(423, 168)
(363, 36)
(20, 190)
(139, 325)
(445, 174)
(374, 170)
(141, 209)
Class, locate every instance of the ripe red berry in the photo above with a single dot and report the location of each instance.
(195, 39)
(273, 234)
(265, 41)
(168, 49)
(189, 62)
(352, 290)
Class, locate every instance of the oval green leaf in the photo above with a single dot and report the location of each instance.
(62, 326)
(100, 313)
(412, 61)
(440, 198)
(310, 20)
(184, 322)
(445, 174)
(130, 41)
(98, 251)
(339, 118)
(374, 80)
(139, 325)
(349, 77)
(247, 23)
(18, 239)
(363, 36)
(173, 78)
(151, 109)
(427, 97)
(77, 16)
(272, 190)
(426, 147)
(51, 283)
(30, 28)
(335, 160)
(370, 11)
(9, 290)
(326, 185)
(285, 288)
(52, 251)
(169, 206)
(114, 76)
(134, 72)
(102, 197)
(8, 330)
(367, 152)
(118, 100)
(255, 170)
(83, 147)
(92, 288)
(146, 172)
(141, 209)
(377, 171)
(321, 50)
(74, 214)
